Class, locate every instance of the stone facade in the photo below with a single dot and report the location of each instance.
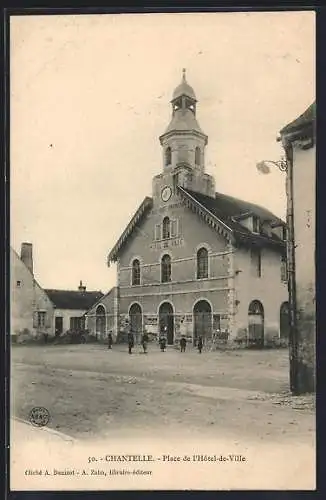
(299, 140)
(34, 310)
(100, 325)
(162, 286)
(270, 290)
(27, 300)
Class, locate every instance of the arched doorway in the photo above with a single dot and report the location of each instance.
(284, 322)
(136, 321)
(202, 321)
(166, 320)
(100, 322)
(256, 324)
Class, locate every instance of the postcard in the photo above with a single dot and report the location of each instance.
(162, 251)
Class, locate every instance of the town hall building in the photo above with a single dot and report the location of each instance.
(193, 261)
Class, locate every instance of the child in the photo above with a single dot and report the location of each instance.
(162, 342)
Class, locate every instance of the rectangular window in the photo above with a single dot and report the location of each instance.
(256, 262)
(41, 319)
(284, 270)
(77, 323)
(18, 284)
(284, 233)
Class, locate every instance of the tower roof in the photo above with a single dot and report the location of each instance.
(183, 119)
(184, 88)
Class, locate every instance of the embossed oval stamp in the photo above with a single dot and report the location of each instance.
(39, 416)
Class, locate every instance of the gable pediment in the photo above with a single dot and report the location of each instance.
(140, 213)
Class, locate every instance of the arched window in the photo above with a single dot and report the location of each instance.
(166, 228)
(197, 156)
(168, 156)
(135, 279)
(256, 307)
(100, 321)
(166, 269)
(202, 263)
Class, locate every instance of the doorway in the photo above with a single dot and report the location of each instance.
(136, 322)
(166, 320)
(58, 325)
(256, 324)
(284, 322)
(202, 321)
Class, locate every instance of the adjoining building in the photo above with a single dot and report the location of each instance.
(194, 261)
(36, 311)
(31, 310)
(299, 141)
(70, 307)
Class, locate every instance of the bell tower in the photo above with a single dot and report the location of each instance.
(183, 145)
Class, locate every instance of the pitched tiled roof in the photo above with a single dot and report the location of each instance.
(73, 299)
(227, 209)
(304, 121)
(99, 301)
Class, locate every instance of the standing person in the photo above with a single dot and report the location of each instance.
(162, 342)
(183, 332)
(110, 340)
(144, 341)
(131, 341)
(200, 345)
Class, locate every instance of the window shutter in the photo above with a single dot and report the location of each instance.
(173, 228)
(157, 231)
(35, 317)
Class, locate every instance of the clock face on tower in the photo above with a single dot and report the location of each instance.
(166, 193)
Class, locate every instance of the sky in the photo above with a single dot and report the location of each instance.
(90, 95)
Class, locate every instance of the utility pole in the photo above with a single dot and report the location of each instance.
(290, 240)
(286, 165)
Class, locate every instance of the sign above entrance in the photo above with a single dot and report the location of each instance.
(160, 245)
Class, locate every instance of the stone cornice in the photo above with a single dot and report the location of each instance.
(172, 133)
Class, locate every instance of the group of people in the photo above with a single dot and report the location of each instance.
(162, 343)
(131, 342)
(183, 344)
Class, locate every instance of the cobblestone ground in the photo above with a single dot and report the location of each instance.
(93, 392)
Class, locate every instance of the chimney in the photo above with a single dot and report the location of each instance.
(81, 287)
(26, 255)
